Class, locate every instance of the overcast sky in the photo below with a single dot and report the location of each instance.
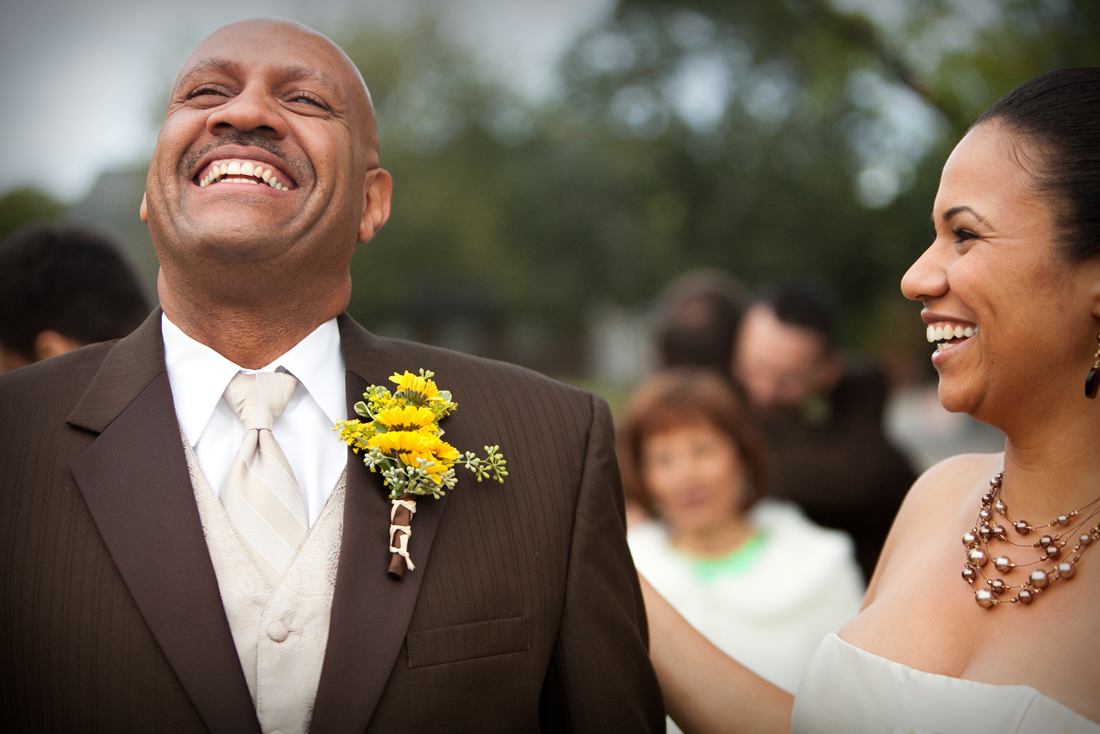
(81, 77)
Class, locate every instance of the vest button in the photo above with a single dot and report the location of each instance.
(277, 631)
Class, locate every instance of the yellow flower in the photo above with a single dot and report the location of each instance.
(409, 383)
(399, 441)
(434, 467)
(442, 450)
(354, 434)
(409, 418)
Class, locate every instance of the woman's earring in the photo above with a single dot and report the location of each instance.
(1092, 382)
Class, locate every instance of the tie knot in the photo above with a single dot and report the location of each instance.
(258, 399)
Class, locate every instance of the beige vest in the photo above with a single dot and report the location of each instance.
(280, 633)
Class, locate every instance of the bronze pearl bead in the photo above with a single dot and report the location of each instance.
(977, 557)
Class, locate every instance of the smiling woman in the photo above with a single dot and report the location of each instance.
(723, 555)
(1011, 293)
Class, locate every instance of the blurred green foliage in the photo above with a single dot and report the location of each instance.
(772, 138)
(23, 206)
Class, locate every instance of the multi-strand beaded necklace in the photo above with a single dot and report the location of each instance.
(1051, 546)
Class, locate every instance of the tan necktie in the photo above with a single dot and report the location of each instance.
(261, 495)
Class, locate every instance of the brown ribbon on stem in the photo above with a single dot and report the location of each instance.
(401, 514)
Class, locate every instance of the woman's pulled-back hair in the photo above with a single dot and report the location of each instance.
(684, 396)
(1059, 112)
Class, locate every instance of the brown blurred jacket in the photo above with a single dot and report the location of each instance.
(523, 613)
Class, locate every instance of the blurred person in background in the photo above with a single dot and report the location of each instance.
(697, 318)
(62, 288)
(752, 574)
(822, 415)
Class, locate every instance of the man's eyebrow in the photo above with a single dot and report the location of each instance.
(955, 210)
(215, 63)
(229, 66)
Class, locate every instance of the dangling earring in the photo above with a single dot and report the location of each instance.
(1092, 382)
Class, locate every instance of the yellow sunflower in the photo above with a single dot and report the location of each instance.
(393, 442)
(409, 418)
(409, 383)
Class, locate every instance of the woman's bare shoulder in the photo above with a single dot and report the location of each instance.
(948, 481)
(937, 494)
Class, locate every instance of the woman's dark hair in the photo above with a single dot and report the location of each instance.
(1059, 112)
(686, 396)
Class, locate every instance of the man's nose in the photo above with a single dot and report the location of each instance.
(253, 110)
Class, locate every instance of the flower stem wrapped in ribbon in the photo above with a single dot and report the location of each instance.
(401, 438)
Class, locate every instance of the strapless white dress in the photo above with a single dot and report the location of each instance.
(849, 691)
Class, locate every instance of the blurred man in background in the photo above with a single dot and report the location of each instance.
(62, 288)
(697, 318)
(822, 415)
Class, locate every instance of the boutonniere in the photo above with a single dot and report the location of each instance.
(401, 438)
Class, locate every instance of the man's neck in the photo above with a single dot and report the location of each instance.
(251, 327)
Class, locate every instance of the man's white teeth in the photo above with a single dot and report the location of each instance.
(939, 335)
(220, 172)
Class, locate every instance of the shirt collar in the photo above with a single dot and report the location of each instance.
(198, 375)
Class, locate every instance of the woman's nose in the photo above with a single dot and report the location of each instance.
(927, 277)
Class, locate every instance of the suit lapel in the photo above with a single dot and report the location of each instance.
(135, 482)
(370, 610)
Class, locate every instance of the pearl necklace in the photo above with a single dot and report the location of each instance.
(986, 530)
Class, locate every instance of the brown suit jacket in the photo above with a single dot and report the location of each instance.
(523, 613)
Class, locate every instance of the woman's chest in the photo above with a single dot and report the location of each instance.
(925, 615)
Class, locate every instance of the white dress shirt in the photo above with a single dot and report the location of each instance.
(199, 375)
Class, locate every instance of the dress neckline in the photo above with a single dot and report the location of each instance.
(915, 672)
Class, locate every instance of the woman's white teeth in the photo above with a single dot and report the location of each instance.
(940, 335)
(222, 171)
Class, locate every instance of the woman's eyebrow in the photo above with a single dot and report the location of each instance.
(955, 210)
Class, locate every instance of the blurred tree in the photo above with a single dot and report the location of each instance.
(772, 138)
(795, 137)
(22, 206)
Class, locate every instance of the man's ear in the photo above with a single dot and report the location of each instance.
(376, 206)
(50, 343)
(143, 210)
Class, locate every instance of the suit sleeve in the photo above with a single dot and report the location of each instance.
(600, 678)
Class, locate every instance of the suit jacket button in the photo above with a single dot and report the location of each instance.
(277, 631)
